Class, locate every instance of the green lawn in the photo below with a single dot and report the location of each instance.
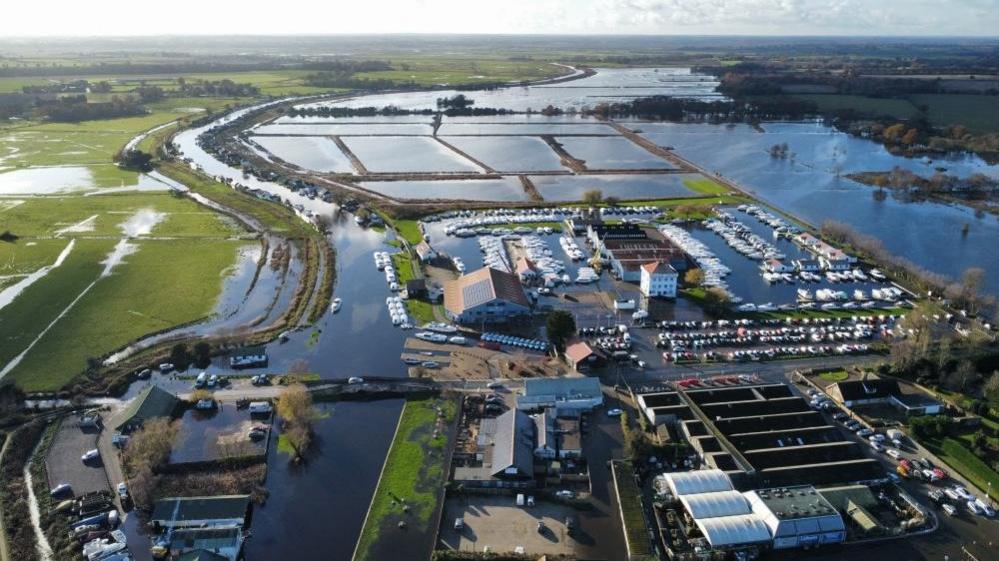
(413, 473)
(705, 186)
(834, 376)
(404, 265)
(164, 283)
(409, 230)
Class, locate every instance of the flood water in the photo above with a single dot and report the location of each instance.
(612, 153)
(406, 154)
(509, 153)
(59, 179)
(504, 189)
(316, 153)
(926, 233)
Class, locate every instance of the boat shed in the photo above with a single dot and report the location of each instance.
(724, 531)
(715, 504)
(701, 481)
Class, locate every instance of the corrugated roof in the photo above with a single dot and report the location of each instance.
(578, 351)
(514, 444)
(483, 286)
(715, 504)
(700, 481)
(733, 530)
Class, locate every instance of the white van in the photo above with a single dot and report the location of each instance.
(894, 454)
(520, 499)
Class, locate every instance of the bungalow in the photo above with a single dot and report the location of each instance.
(808, 265)
(872, 391)
(776, 266)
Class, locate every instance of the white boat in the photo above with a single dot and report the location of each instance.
(804, 294)
(431, 337)
(748, 307)
(859, 295)
(335, 305)
(876, 274)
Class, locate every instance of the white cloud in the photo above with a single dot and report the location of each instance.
(765, 17)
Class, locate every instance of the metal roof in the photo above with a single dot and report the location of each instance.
(700, 481)
(481, 287)
(151, 402)
(713, 505)
(514, 444)
(733, 530)
(584, 386)
(183, 509)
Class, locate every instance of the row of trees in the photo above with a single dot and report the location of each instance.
(72, 109)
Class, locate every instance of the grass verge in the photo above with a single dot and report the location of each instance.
(413, 474)
(630, 503)
(960, 459)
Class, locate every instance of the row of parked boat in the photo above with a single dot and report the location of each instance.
(397, 309)
(571, 248)
(739, 237)
(494, 253)
(780, 226)
(714, 270)
(536, 249)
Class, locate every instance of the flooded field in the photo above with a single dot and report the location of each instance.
(612, 153)
(351, 129)
(505, 189)
(607, 85)
(56, 179)
(500, 126)
(810, 187)
(315, 153)
(510, 153)
(624, 187)
(396, 154)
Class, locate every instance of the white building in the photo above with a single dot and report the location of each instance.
(568, 396)
(658, 280)
(797, 516)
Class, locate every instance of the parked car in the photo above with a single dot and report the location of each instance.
(494, 385)
(565, 494)
(122, 490)
(949, 509)
(615, 412)
(986, 509)
(530, 500)
(894, 454)
(963, 493)
(937, 495)
(355, 380)
(973, 507)
(60, 489)
(91, 455)
(520, 499)
(459, 523)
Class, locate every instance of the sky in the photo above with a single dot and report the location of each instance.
(20, 18)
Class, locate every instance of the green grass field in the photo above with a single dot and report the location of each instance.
(897, 108)
(705, 186)
(164, 283)
(413, 473)
(977, 112)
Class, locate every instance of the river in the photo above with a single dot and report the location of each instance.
(315, 510)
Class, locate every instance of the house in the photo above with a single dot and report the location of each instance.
(581, 356)
(658, 280)
(485, 296)
(809, 265)
(835, 264)
(201, 528)
(874, 391)
(525, 269)
(776, 266)
(200, 512)
(417, 288)
(513, 446)
(151, 403)
(425, 252)
(568, 396)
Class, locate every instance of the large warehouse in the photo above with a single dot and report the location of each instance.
(797, 516)
(761, 435)
(721, 514)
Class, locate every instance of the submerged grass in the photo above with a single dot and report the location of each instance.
(413, 474)
(164, 283)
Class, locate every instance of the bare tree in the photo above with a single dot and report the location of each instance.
(298, 412)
